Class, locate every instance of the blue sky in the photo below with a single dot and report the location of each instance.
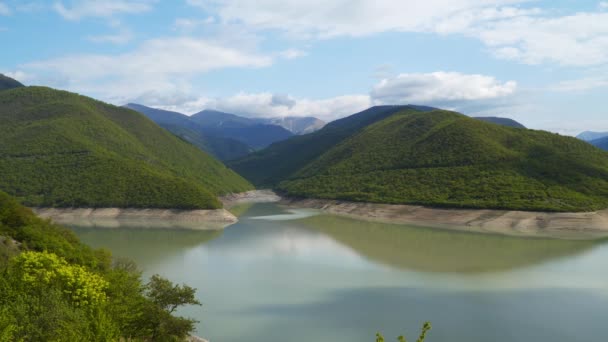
(544, 63)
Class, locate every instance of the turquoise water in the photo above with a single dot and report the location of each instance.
(299, 276)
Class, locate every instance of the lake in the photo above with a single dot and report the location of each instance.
(301, 276)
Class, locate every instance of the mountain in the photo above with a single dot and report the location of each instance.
(281, 159)
(501, 121)
(589, 136)
(297, 125)
(439, 158)
(206, 139)
(249, 131)
(8, 83)
(601, 143)
(60, 149)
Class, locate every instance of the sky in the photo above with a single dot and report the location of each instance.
(543, 63)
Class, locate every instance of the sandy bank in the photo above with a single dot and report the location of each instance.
(516, 223)
(254, 196)
(145, 218)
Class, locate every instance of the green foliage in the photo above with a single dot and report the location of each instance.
(425, 329)
(54, 288)
(446, 159)
(282, 159)
(60, 149)
(41, 270)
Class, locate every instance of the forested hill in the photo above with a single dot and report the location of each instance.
(280, 160)
(61, 149)
(442, 158)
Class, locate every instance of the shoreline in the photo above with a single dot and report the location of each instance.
(253, 196)
(576, 226)
(214, 219)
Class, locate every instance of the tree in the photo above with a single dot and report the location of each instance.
(425, 328)
(164, 298)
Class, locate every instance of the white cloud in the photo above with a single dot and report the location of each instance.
(581, 84)
(580, 39)
(164, 65)
(440, 89)
(273, 105)
(4, 9)
(119, 38)
(603, 5)
(292, 53)
(330, 18)
(101, 9)
(188, 25)
(19, 76)
(510, 29)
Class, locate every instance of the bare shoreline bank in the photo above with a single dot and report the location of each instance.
(253, 196)
(214, 219)
(144, 218)
(590, 225)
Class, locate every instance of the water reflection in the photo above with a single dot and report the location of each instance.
(433, 250)
(327, 278)
(146, 246)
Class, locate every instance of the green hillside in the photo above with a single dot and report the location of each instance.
(55, 288)
(65, 150)
(281, 159)
(443, 158)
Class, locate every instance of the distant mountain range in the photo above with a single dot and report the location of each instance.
(8, 83)
(255, 134)
(597, 139)
(601, 143)
(60, 149)
(297, 125)
(590, 136)
(229, 136)
(183, 126)
(417, 155)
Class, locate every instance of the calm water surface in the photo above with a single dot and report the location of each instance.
(298, 276)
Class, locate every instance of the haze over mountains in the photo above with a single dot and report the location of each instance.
(597, 139)
(590, 135)
(229, 136)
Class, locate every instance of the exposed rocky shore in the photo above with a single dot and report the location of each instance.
(145, 218)
(254, 196)
(588, 225)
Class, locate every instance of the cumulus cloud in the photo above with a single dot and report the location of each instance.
(163, 64)
(292, 53)
(440, 89)
(272, 105)
(188, 25)
(77, 10)
(282, 100)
